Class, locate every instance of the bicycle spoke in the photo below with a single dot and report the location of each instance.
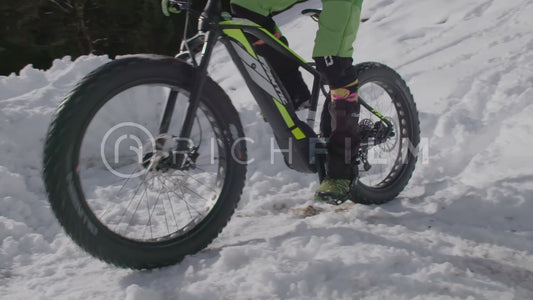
(120, 190)
(164, 213)
(183, 199)
(172, 210)
(184, 185)
(198, 181)
(151, 214)
(129, 203)
(135, 211)
(382, 157)
(148, 211)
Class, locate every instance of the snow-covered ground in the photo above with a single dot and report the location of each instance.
(462, 229)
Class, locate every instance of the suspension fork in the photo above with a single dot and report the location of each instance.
(167, 117)
(198, 81)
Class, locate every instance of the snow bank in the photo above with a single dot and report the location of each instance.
(461, 230)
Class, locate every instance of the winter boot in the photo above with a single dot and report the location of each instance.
(333, 191)
(343, 145)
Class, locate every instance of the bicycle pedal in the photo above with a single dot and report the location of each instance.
(335, 201)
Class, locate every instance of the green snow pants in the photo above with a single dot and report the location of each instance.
(338, 23)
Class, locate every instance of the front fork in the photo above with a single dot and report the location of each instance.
(178, 158)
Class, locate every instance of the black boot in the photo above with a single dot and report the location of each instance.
(343, 144)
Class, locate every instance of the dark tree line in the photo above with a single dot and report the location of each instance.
(38, 31)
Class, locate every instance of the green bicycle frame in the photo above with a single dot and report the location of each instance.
(301, 148)
(296, 139)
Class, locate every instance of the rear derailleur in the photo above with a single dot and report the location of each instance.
(372, 134)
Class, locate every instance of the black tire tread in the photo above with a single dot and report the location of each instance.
(59, 143)
(361, 195)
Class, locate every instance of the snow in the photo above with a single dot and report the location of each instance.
(462, 229)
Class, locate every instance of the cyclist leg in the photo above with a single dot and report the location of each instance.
(338, 25)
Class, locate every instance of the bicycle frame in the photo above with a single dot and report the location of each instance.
(296, 139)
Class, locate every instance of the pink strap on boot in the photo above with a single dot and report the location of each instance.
(347, 93)
(344, 94)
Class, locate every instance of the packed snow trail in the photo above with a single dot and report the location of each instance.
(462, 228)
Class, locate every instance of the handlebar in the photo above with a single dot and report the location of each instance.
(211, 13)
(179, 5)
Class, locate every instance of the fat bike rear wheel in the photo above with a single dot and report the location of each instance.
(387, 158)
(122, 198)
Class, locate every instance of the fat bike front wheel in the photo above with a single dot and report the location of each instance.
(390, 133)
(119, 188)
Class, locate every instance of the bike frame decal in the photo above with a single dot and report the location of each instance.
(238, 35)
(284, 113)
(250, 28)
(245, 22)
(298, 133)
(261, 74)
(282, 44)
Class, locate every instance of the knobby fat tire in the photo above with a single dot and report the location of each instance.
(63, 144)
(395, 86)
